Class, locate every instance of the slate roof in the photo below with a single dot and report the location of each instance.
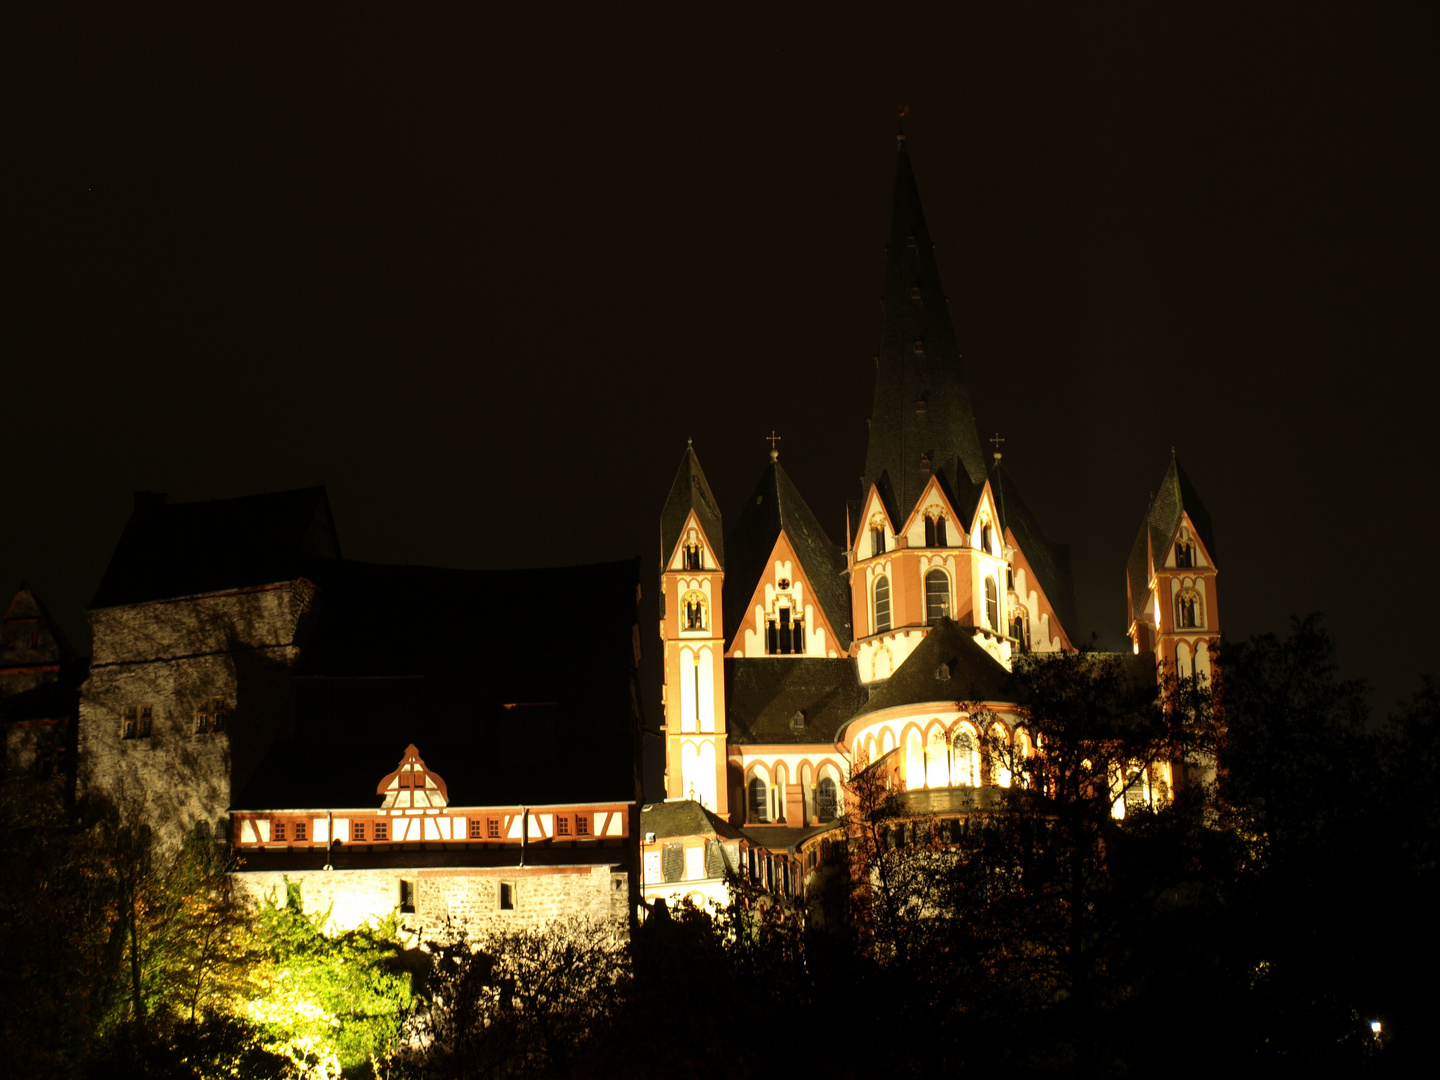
(183, 549)
(474, 668)
(1049, 560)
(785, 837)
(915, 311)
(974, 675)
(763, 694)
(684, 817)
(1175, 496)
(690, 491)
(775, 506)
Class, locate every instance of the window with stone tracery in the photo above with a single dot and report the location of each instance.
(935, 529)
(693, 557)
(695, 610)
(1184, 551)
(1189, 610)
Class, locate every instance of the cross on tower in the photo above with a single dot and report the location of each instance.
(773, 439)
(997, 440)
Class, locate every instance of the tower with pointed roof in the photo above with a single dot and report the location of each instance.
(692, 615)
(1170, 582)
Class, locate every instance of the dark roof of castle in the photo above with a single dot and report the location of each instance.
(469, 666)
(184, 549)
(690, 491)
(971, 674)
(684, 817)
(775, 506)
(764, 694)
(919, 361)
(1049, 560)
(1175, 496)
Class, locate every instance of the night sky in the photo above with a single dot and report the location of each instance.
(481, 273)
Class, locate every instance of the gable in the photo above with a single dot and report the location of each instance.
(693, 532)
(933, 502)
(784, 583)
(1188, 534)
(872, 514)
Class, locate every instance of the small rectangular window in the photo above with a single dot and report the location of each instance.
(129, 723)
(357, 830)
(382, 830)
(492, 828)
(562, 825)
(147, 720)
(407, 897)
(300, 830)
(507, 896)
(279, 830)
(477, 829)
(210, 716)
(582, 825)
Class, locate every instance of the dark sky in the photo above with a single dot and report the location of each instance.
(482, 272)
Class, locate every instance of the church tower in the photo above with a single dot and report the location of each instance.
(932, 538)
(692, 617)
(1174, 610)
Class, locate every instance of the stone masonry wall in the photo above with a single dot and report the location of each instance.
(468, 896)
(171, 655)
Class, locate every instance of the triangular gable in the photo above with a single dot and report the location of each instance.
(1186, 526)
(874, 505)
(985, 511)
(1044, 605)
(412, 785)
(800, 586)
(708, 558)
(934, 496)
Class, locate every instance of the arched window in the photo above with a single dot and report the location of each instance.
(1000, 772)
(935, 530)
(882, 604)
(937, 761)
(1184, 553)
(992, 604)
(695, 610)
(877, 535)
(1189, 610)
(759, 800)
(828, 799)
(937, 596)
(965, 761)
(987, 538)
(692, 556)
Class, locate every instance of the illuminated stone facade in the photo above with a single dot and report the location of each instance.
(814, 660)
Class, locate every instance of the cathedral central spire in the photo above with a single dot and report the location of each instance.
(921, 422)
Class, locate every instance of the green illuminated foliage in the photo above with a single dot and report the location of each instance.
(328, 1002)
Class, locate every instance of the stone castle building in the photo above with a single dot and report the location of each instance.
(368, 731)
(793, 662)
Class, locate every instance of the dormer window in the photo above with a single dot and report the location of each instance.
(935, 532)
(692, 556)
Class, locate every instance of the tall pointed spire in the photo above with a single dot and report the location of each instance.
(921, 421)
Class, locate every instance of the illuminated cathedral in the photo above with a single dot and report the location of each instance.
(793, 662)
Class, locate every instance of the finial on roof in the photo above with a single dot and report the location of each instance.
(773, 438)
(903, 112)
(689, 441)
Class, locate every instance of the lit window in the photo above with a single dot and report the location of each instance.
(828, 799)
(759, 800)
(477, 829)
(562, 825)
(382, 830)
(492, 828)
(357, 830)
(278, 830)
(300, 830)
(882, 604)
(937, 596)
(582, 825)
